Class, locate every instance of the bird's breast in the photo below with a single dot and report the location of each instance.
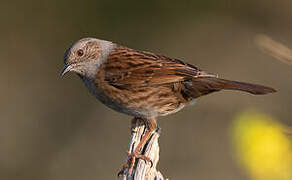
(116, 100)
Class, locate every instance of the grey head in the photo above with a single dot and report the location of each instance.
(85, 56)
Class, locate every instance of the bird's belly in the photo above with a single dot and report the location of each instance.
(147, 102)
(117, 105)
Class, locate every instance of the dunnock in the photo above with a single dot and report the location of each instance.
(143, 84)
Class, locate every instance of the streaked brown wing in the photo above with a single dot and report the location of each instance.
(127, 68)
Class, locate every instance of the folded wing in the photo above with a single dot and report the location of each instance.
(126, 68)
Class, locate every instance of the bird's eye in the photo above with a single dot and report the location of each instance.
(80, 52)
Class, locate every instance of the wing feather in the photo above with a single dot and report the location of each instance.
(126, 67)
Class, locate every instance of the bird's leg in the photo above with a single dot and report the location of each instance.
(151, 126)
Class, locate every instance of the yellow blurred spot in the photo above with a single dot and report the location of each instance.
(261, 146)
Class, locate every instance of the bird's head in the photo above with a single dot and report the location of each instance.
(85, 56)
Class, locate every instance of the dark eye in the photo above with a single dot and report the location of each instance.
(80, 52)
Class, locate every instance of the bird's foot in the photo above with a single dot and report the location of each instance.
(129, 164)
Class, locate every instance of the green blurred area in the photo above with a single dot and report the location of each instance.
(51, 128)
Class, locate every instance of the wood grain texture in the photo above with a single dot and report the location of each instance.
(142, 170)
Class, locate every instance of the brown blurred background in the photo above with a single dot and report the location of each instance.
(52, 129)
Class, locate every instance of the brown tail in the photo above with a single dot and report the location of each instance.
(247, 87)
(206, 85)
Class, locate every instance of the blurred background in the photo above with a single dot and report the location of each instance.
(53, 129)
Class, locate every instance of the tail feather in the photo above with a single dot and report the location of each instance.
(247, 87)
(206, 85)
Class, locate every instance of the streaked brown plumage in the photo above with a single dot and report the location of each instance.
(143, 84)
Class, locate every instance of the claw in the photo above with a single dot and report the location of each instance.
(121, 172)
(151, 163)
(131, 162)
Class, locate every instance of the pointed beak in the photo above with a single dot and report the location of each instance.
(66, 69)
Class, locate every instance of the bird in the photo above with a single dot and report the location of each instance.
(143, 84)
